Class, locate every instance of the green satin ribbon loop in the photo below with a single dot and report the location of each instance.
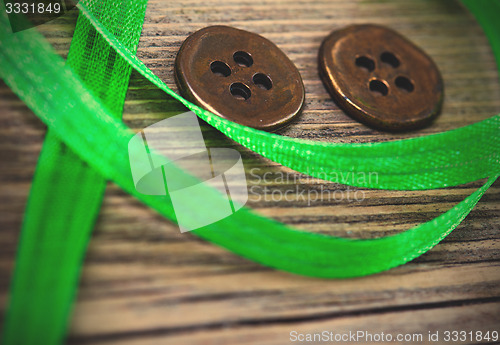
(91, 130)
(66, 194)
(428, 162)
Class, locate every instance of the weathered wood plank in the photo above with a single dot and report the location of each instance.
(145, 283)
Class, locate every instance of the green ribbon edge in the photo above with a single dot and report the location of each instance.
(255, 237)
(434, 161)
(265, 248)
(66, 194)
(54, 159)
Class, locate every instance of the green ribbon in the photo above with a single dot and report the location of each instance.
(83, 122)
(66, 194)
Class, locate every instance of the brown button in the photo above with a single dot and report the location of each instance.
(240, 76)
(380, 78)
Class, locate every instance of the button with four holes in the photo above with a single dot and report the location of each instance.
(240, 76)
(380, 78)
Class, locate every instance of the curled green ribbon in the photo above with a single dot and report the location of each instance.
(58, 97)
(62, 102)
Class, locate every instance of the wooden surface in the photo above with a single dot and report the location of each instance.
(145, 283)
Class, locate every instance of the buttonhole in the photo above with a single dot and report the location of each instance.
(243, 59)
(220, 68)
(390, 59)
(405, 84)
(366, 63)
(379, 87)
(262, 81)
(240, 91)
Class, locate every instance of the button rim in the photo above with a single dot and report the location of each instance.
(187, 90)
(353, 109)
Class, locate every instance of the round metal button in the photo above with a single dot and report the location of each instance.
(240, 76)
(380, 78)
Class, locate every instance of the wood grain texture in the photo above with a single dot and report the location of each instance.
(145, 283)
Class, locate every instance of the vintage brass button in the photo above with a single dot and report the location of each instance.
(380, 78)
(240, 76)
